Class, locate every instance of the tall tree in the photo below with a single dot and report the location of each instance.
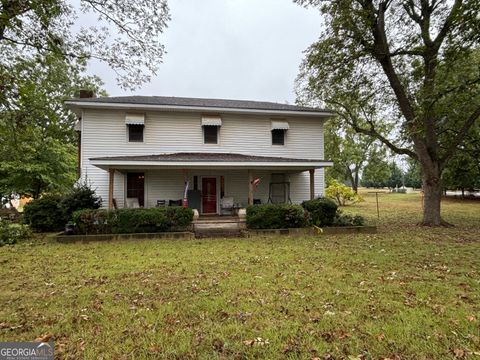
(463, 171)
(377, 171)
(396, 176)
(413, 62)
(126, 36)
(37, 137)
(348, 150)
(413, 177)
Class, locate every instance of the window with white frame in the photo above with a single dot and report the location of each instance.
(211, 129)
(135, 126)
(279, 131)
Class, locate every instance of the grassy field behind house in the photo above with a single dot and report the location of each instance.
(404, 293)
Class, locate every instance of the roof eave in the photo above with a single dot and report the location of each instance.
(134, 164)
(76, 106)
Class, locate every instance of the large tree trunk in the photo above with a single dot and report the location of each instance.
(353, 179)
(432, 189)
(355, 182)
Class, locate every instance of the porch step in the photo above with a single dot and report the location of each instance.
(218, 219)
(219, 234)
(218, 228)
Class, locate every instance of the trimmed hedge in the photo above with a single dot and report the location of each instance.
(275, 216)
(126, 221)
(321, 211)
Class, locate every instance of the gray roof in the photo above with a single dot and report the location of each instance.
(204, 157)
(199, 102)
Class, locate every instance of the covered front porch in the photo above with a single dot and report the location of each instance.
(214, 184)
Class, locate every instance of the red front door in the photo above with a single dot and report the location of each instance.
(209, 195)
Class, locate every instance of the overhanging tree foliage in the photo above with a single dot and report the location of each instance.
(126, 36)
(412, 63)
(37, 137)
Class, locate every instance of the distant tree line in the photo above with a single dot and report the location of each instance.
(359, 161)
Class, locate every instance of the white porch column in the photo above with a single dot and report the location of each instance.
(312, 183)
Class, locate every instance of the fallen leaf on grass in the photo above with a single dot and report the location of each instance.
(256, 342)
(43, 338)
(153, 349)
(343, 335)
(471, 318)
(218, 345)
(81, 345)
(248, 342)
(459, 353)
(381, 337)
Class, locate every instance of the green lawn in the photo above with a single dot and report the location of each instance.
(405, 293)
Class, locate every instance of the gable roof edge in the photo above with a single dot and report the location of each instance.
(78, 105)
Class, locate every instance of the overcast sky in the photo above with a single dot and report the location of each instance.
(238, 49)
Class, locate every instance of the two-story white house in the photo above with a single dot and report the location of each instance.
(217, 154)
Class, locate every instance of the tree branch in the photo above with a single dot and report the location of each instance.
(371, 131)
(462, 133)
(381, 52)
(447, 24)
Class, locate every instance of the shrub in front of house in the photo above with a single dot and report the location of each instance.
(342, 219)
(79, 198)
(52, 212)
(126, 221)
(11, 233)
(321, 211)
(275, 216)
(45, 214)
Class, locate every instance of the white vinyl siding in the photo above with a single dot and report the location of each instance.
(105, 134)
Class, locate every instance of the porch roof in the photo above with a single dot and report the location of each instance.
(207, 160)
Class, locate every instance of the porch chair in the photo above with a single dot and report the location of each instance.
(132, 203)
(175, 202)
(161, 203)
(226, 203)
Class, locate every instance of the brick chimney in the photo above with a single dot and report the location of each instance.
(85, 94)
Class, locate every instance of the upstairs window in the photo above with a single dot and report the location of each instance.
(211, 125)
(279, 129)
(210, 134)
(135, 133)
(135, 124)
(278, 137)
